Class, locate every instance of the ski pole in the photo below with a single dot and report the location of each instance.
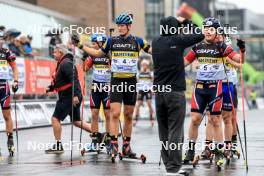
(243, 112)
(16, 122)
(72, 108)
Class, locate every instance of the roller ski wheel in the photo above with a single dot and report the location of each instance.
(189, 156)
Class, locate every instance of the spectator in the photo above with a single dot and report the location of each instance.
(14, 46)
(25, 47)
(55, 39)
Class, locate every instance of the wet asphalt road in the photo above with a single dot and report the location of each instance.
(145, 140)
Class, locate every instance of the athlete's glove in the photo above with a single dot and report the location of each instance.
(76, 41)
(50, 88)
(242, 45)
(15, 86)
(84, 57)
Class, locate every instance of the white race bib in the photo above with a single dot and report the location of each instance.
(4, 70)
(124, 65)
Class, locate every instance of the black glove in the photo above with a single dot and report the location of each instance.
(15, 86)
(76, 41)
(85, 55)
(50, 88)
(242, 45)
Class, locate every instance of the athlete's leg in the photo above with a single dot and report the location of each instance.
(209, 129)
(107, 120)
(137, 108)
(8, 120)
(94, 121)
(56, 125)
(115, 110)
(228, 129)
(149, 103)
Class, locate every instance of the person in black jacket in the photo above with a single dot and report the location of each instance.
(63, 80)
(169, 82)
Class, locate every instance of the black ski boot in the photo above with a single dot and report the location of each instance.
(97, 139)
(55, 148)
(127, 151)
(10, 144)
(107, 142)
(189, 156)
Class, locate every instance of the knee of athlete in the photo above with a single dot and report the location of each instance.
(115, 114)
(95, 116)
(196, 121)
(128, 115)
(227, 117)
(216, 120)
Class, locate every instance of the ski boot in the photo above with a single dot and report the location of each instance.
(95, 146)
(234, 149)
(227, 155)
(10, 144)
(207, 154)
(219, 159)
(189, 157)
(114, 150)
(107, 142)
(128, 153)
(55, 149)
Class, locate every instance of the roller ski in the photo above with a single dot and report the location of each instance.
(219, 159)
(207, 154)
(129, 154)
(114, 150)
(55, 149)
(189, 157)
(10, 145)
(96, 144)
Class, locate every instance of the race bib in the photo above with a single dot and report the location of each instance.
(124, 62)
(101, 74)
(4, 70)
(125, 65)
